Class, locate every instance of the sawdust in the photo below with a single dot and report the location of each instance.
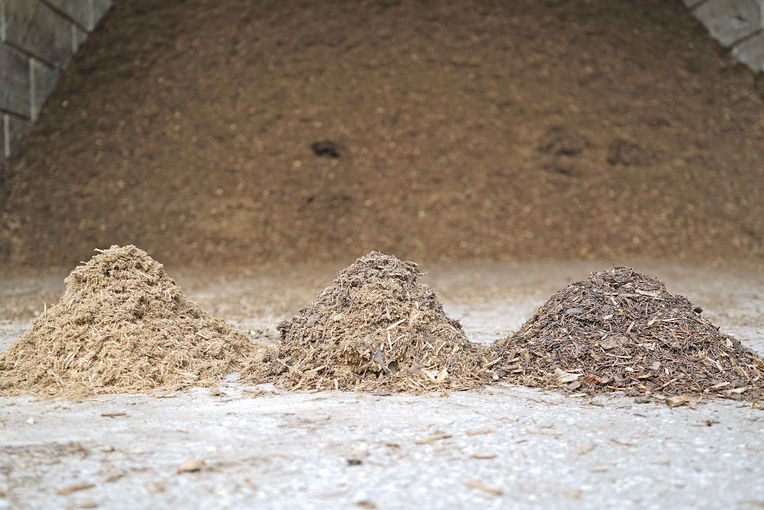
(245, 133)
(376, 328)
(122, 325)
(620, 330)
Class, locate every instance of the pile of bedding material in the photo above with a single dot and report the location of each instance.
(376, 328)
(620, 330)
(122, 325)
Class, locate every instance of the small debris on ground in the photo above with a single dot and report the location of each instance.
(432, 438)
(490, 490)
(74, 488)
(190, 466)
(113, 477)
(155, 488)
(483, 456)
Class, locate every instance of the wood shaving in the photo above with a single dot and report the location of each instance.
(122, 325)
(375, 328)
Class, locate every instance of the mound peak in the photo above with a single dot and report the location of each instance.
(121, 325)
(376, 328)
(622, 330)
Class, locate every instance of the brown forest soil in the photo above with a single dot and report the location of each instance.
(531, 130)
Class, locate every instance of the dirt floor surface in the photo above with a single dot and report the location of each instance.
(499, 447)
(240, 132)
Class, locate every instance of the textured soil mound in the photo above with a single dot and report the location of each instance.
(622, 330)
(240, 132)
(122, 325)
(375, 328)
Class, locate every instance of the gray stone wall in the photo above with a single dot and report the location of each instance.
(736, 24)
(37, 40)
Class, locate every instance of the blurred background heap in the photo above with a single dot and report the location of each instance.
(237, 132)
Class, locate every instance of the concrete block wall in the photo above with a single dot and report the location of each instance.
(736, 24)
(37, 40)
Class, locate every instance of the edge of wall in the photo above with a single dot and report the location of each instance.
(737, 25)
(37, 41)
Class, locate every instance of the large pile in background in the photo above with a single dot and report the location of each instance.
(375, 328)
(622, 330)
(240, 132)
(122, 325)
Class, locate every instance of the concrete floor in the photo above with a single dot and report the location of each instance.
(502, 447)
